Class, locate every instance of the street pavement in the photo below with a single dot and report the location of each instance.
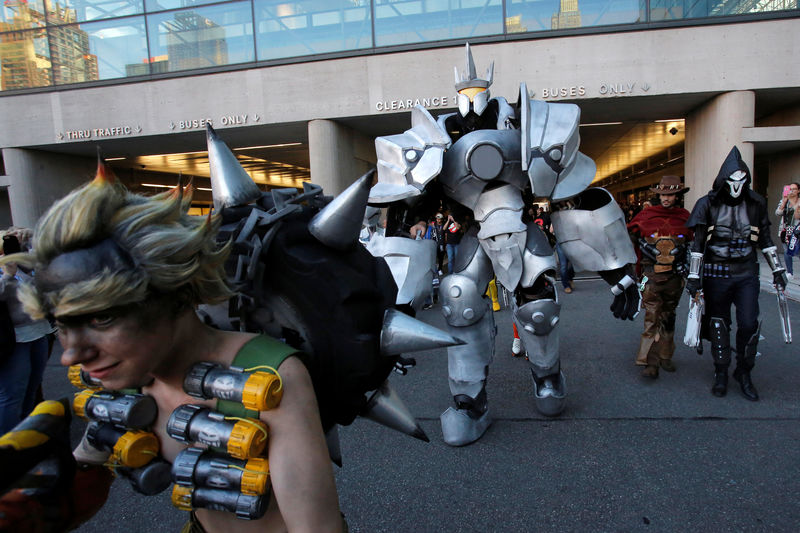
(627, 454)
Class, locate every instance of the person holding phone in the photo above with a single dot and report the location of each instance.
(21, 368)
(790, 220)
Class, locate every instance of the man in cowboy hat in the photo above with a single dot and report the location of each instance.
(661, 235)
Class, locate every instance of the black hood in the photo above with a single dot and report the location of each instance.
(731, 164)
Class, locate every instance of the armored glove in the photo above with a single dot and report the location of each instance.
(692, 286)
(627, 299)
(693, 280)
(779, 279)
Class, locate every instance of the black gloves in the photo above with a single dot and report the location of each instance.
(692, 286)
(627, 299)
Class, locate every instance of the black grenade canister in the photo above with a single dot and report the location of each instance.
(258, 391)
(246, 506)
(132, 411)
(195, 423)
(204, 468)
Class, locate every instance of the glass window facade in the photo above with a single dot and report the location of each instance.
(60, 42)
(289, 29)
(416, 21)
(201, 37)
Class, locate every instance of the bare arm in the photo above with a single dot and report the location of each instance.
(300, 468)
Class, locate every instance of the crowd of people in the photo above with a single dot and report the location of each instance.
(130, 326)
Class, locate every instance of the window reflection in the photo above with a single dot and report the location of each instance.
(202, 37)
(161, 5)
(24, 60)
(684, 9)
(412, 21)
(97, 50)
(21, 14)
(543, 15)
(287, 29)
(68, 11)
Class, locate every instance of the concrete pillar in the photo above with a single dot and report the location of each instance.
(338, 155)
(711, 131)
(37, 179)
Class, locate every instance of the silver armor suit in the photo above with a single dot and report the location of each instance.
(495, 153)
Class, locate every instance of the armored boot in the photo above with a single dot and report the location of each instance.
(745, 363)
(721, 352)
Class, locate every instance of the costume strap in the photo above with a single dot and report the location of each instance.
(258, 351)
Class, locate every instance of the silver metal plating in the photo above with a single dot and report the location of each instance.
(478, 158)
(402, 333)
(339, 223)
(408, 161)
(505, 251)
(550, 394)
(773, 259)
(467, 363)
(463, 302)
(459, 429)
(386, 408)
(406, 259)
(230, 184)
(695, 265)
(594, 240)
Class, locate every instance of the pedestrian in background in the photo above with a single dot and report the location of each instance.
(22, 368)
(789, 212)
(452, 239)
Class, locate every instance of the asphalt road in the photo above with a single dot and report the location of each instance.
(628, 454)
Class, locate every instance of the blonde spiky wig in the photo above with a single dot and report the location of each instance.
(102, 246)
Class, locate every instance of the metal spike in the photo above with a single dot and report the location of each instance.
(339, 223)
(458, 75)
(402, 333)
(490, 73)
(386, 408)
(230, 184)
(471, 72)
(334, 447)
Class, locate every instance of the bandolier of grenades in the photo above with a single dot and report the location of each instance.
(225, 467)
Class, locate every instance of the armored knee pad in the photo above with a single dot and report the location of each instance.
(537, 324)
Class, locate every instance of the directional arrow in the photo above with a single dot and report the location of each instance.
(138, 128)
(171, 125)
(645, 87)
(256, 117)
(60, 136)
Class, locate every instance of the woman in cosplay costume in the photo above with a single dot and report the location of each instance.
(661, 237)
(122, 275)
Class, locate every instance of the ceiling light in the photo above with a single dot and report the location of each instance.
(114, 158)
(268, 146)
(603, 124)
(670, 120)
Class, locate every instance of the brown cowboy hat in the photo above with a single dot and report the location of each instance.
(669, 185)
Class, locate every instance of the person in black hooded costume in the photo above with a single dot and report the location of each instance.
(729, 223)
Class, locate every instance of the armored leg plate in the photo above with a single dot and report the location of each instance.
(460, 429)
(720, 341)
(550, 393)
(537, 324)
